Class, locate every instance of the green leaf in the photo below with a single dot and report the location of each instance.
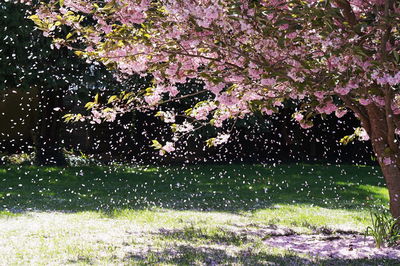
(188, 111)
(174, 127)
(96, 99)
(77, 117)
(127, 95)
(107, 110)
(112, 98)
(68, 117)
(396, 56)
(35, 18)
(149, 90)
(203, 50)
(210, 142)
(89, 105)
(61, 3)
(347, 139)
(156, 145)
(79, 53)
(69, 35)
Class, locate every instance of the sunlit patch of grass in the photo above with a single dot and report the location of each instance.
(307, 218)
(380, 193)
(7, 214)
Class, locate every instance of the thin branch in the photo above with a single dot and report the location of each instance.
(357, 109)
(202, 56)
(347, 11)
(182, 97)
(387, 31)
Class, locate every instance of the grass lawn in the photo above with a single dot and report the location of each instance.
(178, 215)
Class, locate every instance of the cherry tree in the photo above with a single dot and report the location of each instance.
(329, 56)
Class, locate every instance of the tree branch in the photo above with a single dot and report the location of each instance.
(347, 11)
(358, 110)
(391, 137)
(388, 29)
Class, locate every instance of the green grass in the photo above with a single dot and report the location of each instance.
(177, 215)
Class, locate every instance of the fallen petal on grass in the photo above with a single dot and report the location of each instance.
(338, 246)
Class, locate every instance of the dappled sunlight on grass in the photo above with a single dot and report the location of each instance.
(177, 215)
(156, 236)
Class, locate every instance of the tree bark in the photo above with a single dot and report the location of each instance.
(48, 141)
(388, 158)
(392, 178)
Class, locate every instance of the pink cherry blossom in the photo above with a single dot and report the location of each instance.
(168, 147)
(340, 112)
(387, 161)
(364, 101)
(298, 117)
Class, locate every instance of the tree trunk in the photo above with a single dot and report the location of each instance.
(388, 158)
(48, 141)
(392, 177)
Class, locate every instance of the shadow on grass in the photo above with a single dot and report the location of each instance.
(234, 235)
(232, 188)
(215, 235)
(189, 255)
